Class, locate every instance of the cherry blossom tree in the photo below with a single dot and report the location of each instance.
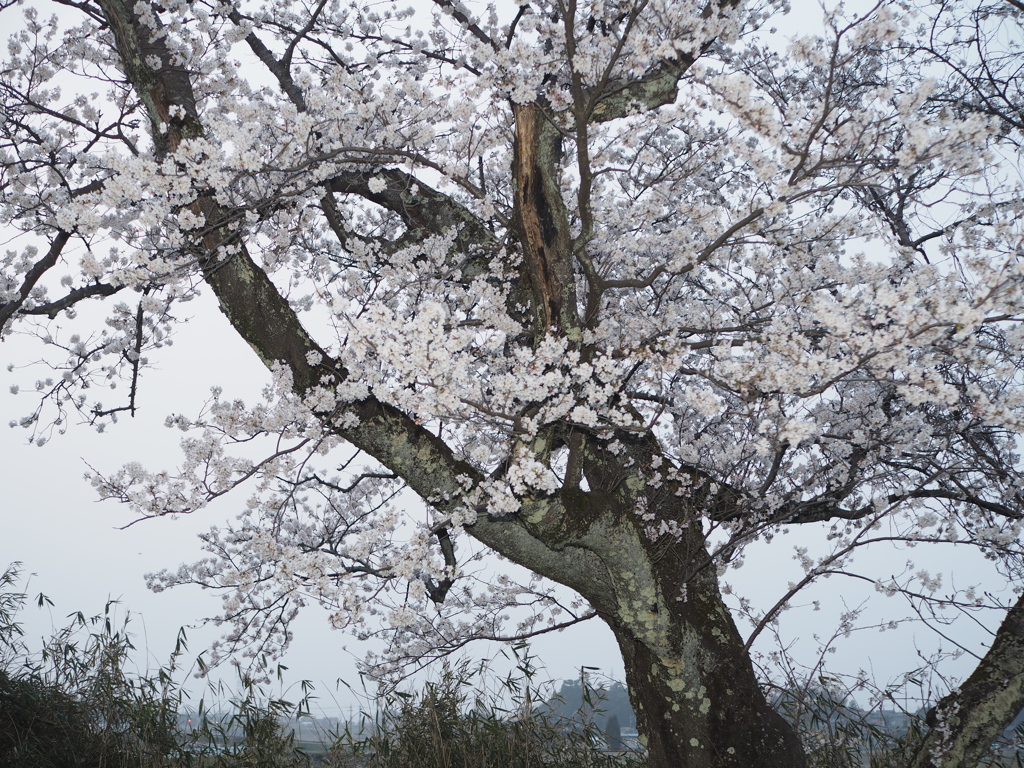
(615, 287)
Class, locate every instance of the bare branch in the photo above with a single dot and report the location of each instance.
(32, 277)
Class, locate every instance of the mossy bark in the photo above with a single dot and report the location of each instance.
(693, 687)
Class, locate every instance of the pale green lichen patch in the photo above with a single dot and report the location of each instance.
(675, 670)
(535, 513)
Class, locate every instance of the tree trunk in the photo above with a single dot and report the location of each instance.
(697, 701)
(696, 697)
(693, 688)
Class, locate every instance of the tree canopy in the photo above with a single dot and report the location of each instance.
(616, 288)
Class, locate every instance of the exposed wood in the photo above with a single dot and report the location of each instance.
(542, 221)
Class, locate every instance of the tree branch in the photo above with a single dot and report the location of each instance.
(438, 591)
(33, 276)
(971, 718)
(820, 510)
(278, 69)
(424, 211)
(466, 22)
(616, 98)
(53, 308)
(655, 89)
(261, 316)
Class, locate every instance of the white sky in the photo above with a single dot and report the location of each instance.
(79, 556)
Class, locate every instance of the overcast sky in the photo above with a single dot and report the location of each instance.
(80, 555)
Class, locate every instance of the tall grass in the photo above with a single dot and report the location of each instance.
(74, 704)
(453, 723)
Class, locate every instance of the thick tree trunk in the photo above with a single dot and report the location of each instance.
(697, 700)
(693, 688)
(699, 704)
